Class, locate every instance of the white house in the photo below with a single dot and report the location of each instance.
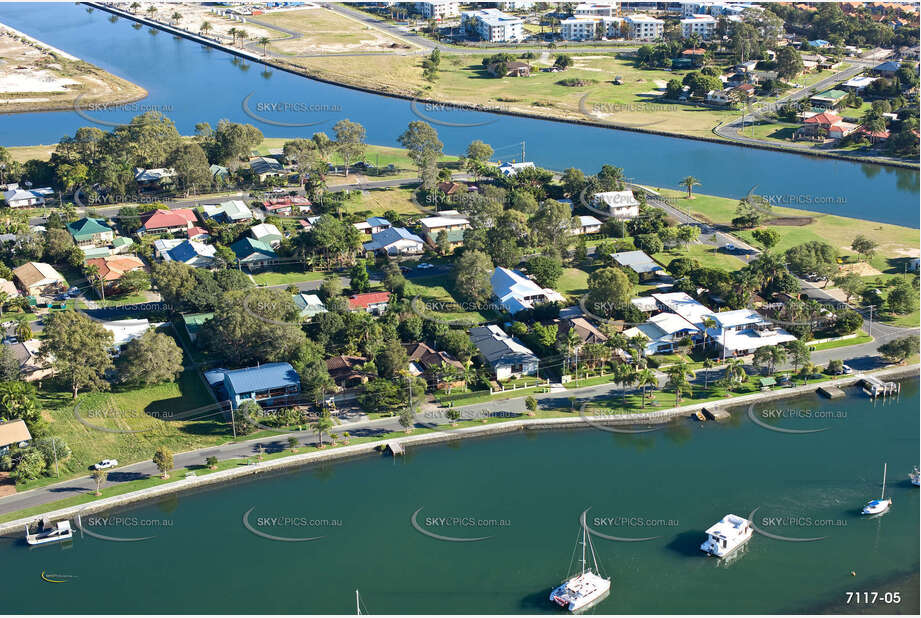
(595, 9)
(231, 211)
(20, 198)
(431, 226)
(516, 292)
(124, 331)
(266, 232)
(719, 97)
(663, 332)
(493, 25)
(506, 356)
(644, 28)
(585, 224)
(371, 225)
(191, 252)
(510, 169)
(743, 331)
(619, 204)
(395, 241)
(684, 305)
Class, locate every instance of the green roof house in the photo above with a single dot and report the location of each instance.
(194, 322)
(88, 231)
(830, 99)
(121, 244)
(254, 253)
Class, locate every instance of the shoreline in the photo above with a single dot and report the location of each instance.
(242, 53)
(88, 72)
(437, 437)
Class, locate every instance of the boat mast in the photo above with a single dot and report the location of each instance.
(357, 605)
(583, 547)
(883, 495)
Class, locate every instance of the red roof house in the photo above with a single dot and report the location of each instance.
(167, 221)
(372, 302)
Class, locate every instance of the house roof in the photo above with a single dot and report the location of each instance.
(587, 331)
(363, 301)
(498, 348)
(344, 363)
(261, 378)
(87, 227)
(124, 331)
(163, 219)
(265, 230)
(9, 287)
(114, 267)
(889, 65)
(586, 220)
(825, 118)
(15, 195)
(685, 306)
(428, 357)
(616, 199)
(250, 249)
(235, 210)
(309, 304)
(442, 221)
(37, 273)
(188, 250)
(263, 165)
(833, 95)
(13, 432)
(516, 292)
(389, 236)
(637, 261)
(195, 231)
(153, 174)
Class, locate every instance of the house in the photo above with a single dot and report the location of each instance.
(87, 232)
(370, 302)
(253, 253)
(619, 204)
(719, 97)
(642, 27)
(194, 322)
(506, 356)
(285, 206)
(818, 44)
(640, 263)
(874, 137)
(584, 224)
(8, 288)
(219, 174)
(20, 198)
(510, 169)
(842, 129)
(437, 9)
(887, 69)
(113, 267)
(167, 221)
(346, 370)
(38, 279)
(646, 304)
(395, 241)
(232, 211)
(121, 244)
(595, 9)
(429, 363)
(746, 67)
(743, 331)
(817, 125)
(153, 178)
(372, 225)
(492, 25)
(515, 68)
(585, 330)
(589, 27)
(663, 332)
(268, 385)
(309, 305)
(679, 303)
(450, 188)
(191, 252)
(431, 226)
(830, 99)
(124, 331)
(703, 26)
(745, 91)
(267, 233)
(858, 84)
(14, 433)
(32, 366)
(517, 293)
(197, 233)
(265, 167)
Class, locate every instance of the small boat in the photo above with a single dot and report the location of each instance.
(727, 535)
(47, 533)
(915, 477)
(584, 590)
(878, 507)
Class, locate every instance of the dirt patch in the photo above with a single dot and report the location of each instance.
(791, 221)
(861, 268)
(7, 486)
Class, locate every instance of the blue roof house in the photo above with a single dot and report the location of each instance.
(266, 384)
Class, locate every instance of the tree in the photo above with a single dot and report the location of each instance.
(478, 152)
(421, 140)
(864, 247)
(768, 237)
(359, 281)
(100, 476)
(453, 415)
(551, 225)
(23, 329)
(799, 353)
(789, 62)
(134, 281)
(322, 425)
(649, 243)
(902, 299)
(211, 462)
(563, 61)
(79, 350)
(350, 141)
(811, 258)
(9, 365)
(407, 418)
(530, 403)
(163, 459)
(546, 270)
(678, 379)
(851, 284)
(898, 350)
(152, 358)
(689, 182)
(191, 166)
(609, 290)
(18, 400)
(472, 276)
(244, 421)
(644, 379)
(673, 89)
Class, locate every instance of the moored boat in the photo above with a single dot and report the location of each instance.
(878, 507)
(47, 533)
(586, 588)
(727, 535)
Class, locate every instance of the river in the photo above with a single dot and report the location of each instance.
(526, 492)
(191, 84)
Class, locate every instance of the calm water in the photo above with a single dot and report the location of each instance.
(539, 483)
(191, 84)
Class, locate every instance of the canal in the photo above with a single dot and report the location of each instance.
(192, 84)
(525, 493)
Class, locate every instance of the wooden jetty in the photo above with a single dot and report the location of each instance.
(874, 387)
(831, 392)
(395, 448)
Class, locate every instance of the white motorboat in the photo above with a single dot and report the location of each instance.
(727, 535)
(586, 588)
(915, 477)
(878, 507)
(61, 531)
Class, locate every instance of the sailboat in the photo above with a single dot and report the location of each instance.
(877, 507)
(581, 591)
(915, 477)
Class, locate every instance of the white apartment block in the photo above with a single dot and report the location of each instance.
(493, 25)
(517, 5)
(713, 7)
(438, 9)
(596, 9)
(586, 28)
(703, 26)
(644, 28)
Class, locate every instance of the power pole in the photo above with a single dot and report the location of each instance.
(55, 448)
(870, 325)
(233, 422)
(522, 151)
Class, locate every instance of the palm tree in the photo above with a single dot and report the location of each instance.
(233, 32)
(176, 17)
(323, 424)
(708, 364)
(92, 273)
(4, 299)
(678, 379)
(205, 27)
(243, 36)
(151, 11)
(689, 182)
(134, 7)
(625, 375)
(264, 41)
(645, 378)
(23, 328)
(735, 371)
(708, 323)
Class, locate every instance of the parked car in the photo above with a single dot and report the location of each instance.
(105, 464)
(424, 266)
(729, 248)
(74, 291)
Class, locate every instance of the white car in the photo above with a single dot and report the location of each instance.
(105, 464)
(425, 265)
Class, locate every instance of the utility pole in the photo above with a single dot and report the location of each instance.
(55, 449)
(522, 151)
(233, 422)
(870, 325)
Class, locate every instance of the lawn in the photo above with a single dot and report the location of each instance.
(707, 256)
(22, 154)
(861, 337)
(573, 282)
(437, 301)
(284, 275)
(324, 31)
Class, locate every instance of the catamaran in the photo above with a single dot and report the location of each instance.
(877, 507)
(727, 535)
(50, 534)
(581, 591)
(915, 477)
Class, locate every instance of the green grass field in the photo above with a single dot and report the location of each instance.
(706, 255)
(282, 275)
(437, 301)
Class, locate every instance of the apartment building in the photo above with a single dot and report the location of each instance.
(587, 28)
(596, 9)
(493, 25)
(644, 28)
(703, 26)
(438, 9)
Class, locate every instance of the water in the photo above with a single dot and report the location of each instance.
(191, 84)
(539, 483)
